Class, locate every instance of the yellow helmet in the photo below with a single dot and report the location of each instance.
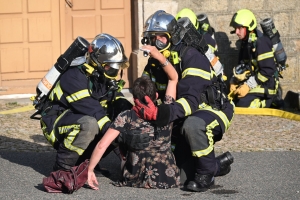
(244, 17)
(186, 12)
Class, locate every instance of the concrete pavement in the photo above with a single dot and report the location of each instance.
(254, 175)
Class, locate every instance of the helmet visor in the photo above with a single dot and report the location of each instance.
(111, 70)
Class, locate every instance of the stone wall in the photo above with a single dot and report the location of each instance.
(283, 12)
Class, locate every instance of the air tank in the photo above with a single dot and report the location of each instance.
(269, 29)
(78, 48)
(204, 25)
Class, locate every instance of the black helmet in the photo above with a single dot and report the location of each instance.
(106, 53)
(159, 23)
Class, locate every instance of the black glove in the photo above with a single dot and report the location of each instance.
(134, 139)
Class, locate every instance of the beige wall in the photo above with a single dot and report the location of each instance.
(283, 12)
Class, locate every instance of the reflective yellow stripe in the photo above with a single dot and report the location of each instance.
(210, 136)
(120, 97)
(78, 95)
(260, 90)
(103, 121)
(196, 72)
(57, 90)
(185, 105)
(256, 103)
(265, 56)
(51, 137)
(261, 77)
(71, 137)
(220, 114)
(103, 103)
(212, 48)
(202, 105)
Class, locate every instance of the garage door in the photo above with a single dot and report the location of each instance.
(34, 33)
(88, 18)
(29, 42)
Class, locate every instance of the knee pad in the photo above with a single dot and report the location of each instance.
(88, 124)
(194, 130)
(88, 130)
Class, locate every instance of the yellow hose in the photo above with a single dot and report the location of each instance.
(267, 111)
(17, 110)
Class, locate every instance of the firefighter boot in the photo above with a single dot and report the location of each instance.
(225, 160)
(201, 182)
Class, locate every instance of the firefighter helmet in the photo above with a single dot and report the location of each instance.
(186, 12)
(159, 23)
(244, 17)
(106, 53)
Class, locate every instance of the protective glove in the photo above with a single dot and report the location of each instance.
(242, 90)
(146, 111)
(233, 84)
(233, 87)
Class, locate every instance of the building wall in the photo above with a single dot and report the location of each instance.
(283, 12)
(34, 33)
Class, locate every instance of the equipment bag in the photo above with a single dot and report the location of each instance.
(67, 181)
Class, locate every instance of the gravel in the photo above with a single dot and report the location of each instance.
(247, 133)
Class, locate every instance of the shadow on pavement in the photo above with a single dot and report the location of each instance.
(42, 161)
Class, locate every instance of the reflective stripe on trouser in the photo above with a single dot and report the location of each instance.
(254, 101)
(200, 131)
(74, 132)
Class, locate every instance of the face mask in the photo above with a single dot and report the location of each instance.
(160, 45)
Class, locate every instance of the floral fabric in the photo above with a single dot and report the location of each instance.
(153, 167)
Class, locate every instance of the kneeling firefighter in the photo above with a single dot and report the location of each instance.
(201, 103)
(82, 103)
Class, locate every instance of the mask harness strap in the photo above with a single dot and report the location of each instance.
(94, 77)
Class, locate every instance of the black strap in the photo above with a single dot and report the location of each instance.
(157, 131)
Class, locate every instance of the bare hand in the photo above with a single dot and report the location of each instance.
(92, 180)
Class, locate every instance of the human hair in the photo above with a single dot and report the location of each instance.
(144, 86)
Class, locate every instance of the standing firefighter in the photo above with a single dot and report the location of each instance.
(256, 79)
(200, 103)
(84, 100)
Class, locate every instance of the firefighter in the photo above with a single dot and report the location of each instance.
(205, 120)
(255, 81)
(84, 102)
(201, 23)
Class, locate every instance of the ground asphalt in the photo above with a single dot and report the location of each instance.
(254, 175)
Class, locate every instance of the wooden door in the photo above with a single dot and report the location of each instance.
(89, 18)
(29, 43)
(34, 33)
